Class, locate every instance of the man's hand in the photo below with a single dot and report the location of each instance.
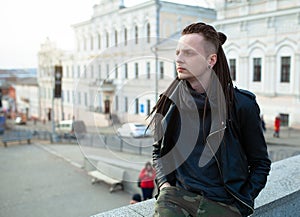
(166, 184)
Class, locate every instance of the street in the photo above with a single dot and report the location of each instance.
(36, 183)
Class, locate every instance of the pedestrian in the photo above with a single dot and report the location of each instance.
(135, 199)
(146, 181)
(276, 126)
(209, 153)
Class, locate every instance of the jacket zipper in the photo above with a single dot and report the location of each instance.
(238, 198)
(218, 164)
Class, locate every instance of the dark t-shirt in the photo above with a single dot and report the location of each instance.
(204, 180)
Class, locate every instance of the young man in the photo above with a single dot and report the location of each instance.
(209, 154)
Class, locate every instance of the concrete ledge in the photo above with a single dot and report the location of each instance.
(145, 208)
(280, 197)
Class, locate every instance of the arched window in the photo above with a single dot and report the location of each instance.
(125, 36)
(107, 39)
(99, 41)
(148, 32)
(116, 38)
(136, 30)
(92, 42)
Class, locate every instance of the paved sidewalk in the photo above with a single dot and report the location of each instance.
(79, 155)
(288, 136)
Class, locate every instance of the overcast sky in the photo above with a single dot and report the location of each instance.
(25, 24)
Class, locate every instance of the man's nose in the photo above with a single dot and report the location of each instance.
(179, 59)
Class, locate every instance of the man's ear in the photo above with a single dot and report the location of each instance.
(212, 59)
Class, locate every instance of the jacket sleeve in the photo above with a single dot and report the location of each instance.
(157, 163)
(255, 147)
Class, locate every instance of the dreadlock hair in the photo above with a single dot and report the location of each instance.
(216, 40)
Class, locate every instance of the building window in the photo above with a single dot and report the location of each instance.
(126, 70)
(116, 71)
(78, 71)
(256, 69)
(148, 69)
(232, 65)
(99, 41)
(85, 99)
(107, 71)
(148, 32)
(285, 69)
(116, 38)
(117, 102)
(125, 36)
(161, 70)
(107, 39)
(136, 70)
(284, 119)
(136, 106)
(92, 43)
(136, 30)
(148, 106)
(126, 103)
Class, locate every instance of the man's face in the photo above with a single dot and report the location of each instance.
(191, 58)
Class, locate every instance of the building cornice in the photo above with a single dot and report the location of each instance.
(257, 16)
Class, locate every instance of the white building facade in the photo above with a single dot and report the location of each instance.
(27, 97)
(115, 68)
(263, 50)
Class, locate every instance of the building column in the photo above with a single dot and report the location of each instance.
(270, 75)
(243, 72)
(296, 77)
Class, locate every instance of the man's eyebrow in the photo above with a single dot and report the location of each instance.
(185, 49)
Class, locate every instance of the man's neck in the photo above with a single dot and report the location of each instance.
(196, 85)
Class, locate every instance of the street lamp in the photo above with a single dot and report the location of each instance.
(158, 6)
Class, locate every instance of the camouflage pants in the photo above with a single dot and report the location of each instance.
(176, 202)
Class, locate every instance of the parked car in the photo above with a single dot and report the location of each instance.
(20, 120)
(134, 130)
(71, 129)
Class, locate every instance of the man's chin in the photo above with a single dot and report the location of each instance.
(182, 76)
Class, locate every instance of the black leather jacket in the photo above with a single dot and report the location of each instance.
(244, 163)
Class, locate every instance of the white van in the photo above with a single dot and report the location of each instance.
(71, 129)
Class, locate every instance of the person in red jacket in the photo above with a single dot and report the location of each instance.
(277, 126)
(146, 178)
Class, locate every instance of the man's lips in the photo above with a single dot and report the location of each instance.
(180, 69)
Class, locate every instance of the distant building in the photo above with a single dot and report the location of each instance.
(8, 95)
(27, 97)
(48, 57)
(263, 51)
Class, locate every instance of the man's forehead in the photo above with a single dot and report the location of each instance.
(190, 41)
